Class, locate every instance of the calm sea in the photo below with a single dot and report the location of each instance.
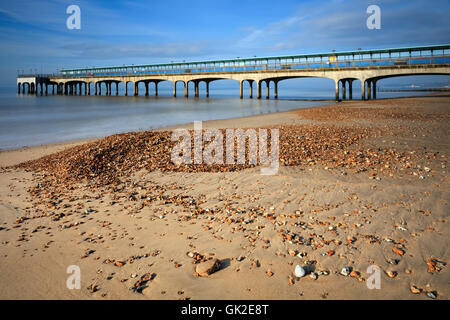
(27, 120)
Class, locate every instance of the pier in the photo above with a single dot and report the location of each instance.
(367, 66)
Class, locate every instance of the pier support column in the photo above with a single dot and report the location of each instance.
(369, 91)
(126, 88)
(363, 89)
(337, 89)
(374, 89)
(136, 88)
(117, 88)
(258, 89)
(80, 87)
(207, 89)
(99, 88)
(186, 89)
(23, 88)
(175, 89)
(350, 89)
(267, 89)
(18, 88)
(344, 89)
(250, 83)
(241, 89)
(146, 88)
(46, 89)
(41, 88)
(196, 89)
(156, 88)
(276, 89)
(53, 89)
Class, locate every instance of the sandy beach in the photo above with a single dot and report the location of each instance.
(361, 183)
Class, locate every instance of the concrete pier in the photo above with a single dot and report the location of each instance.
(426, 60)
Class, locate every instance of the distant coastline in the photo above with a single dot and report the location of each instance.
(416, 90)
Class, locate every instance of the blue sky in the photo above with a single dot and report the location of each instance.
(33, 34)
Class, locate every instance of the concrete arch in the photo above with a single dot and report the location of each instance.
(371, 83)
(147, 83)
(125, 83)
(277, 79)
(207, 81)
(185, 87)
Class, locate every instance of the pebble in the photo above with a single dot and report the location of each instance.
(415, 290)
(299, 271)
(346, 271)
(206, 268)
(313, 276)
(391, 274)
(394, 261)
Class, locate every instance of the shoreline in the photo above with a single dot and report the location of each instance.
(278, 117)
(216, 122)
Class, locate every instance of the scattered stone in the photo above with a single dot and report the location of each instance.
(206, 268)
(92, 288)
(391, 274)
(398, 251)
(299, 271)
(415, 290)
(346, 271)
(119, 263)
(141, 283)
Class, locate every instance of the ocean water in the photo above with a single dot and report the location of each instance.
(27, 120)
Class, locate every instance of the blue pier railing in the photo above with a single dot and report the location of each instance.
(425, 55)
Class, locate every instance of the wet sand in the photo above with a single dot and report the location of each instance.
(361, 184)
